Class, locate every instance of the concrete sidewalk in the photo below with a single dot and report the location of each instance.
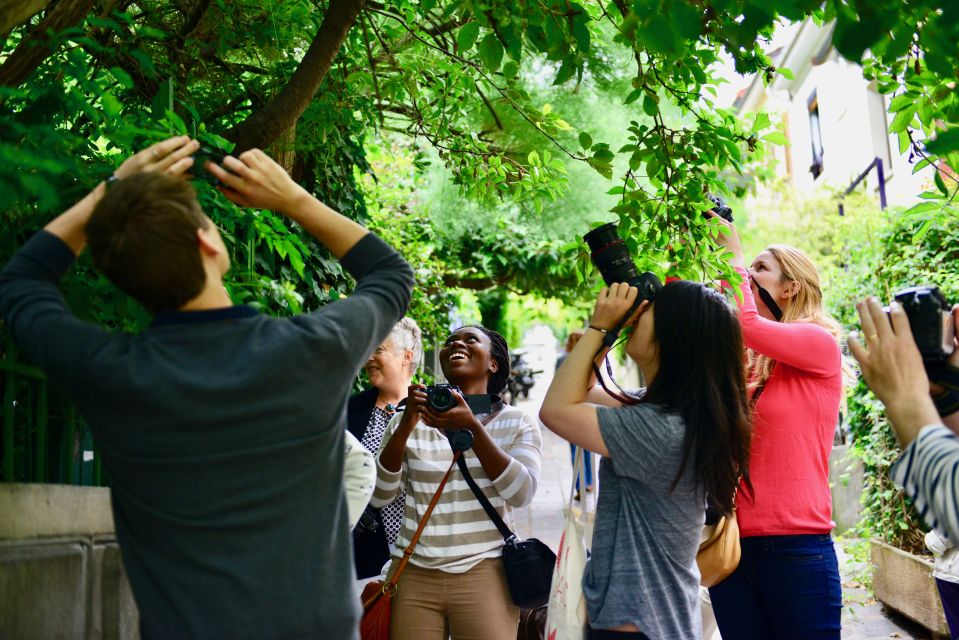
(862, 618)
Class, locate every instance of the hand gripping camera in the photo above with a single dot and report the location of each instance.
(930, 320)
(442, 398)
(611, 256)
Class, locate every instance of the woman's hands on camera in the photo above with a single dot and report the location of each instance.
(728, 237)
(613, 303)
(454, 419)
(415, 406)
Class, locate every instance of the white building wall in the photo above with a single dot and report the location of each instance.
(853, 124)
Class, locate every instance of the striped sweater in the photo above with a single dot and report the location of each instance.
(928, 471)
(459, 534)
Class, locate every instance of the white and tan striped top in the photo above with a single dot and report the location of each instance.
(459, 534)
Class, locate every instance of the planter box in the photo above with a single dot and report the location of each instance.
(904, 582)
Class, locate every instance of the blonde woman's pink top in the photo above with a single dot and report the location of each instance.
(794, 423)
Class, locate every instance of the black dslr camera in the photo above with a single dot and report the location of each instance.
(611, 256)
(930, 319)
(440, 397)
(722, 209)
(200, 156)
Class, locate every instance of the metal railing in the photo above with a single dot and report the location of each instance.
(42, 436)
(880, 177)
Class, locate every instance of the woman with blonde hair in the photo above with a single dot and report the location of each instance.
(787, 585)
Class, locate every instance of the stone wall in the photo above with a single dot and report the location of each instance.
(61, 575)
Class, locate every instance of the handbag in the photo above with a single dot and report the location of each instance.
(377, 597)
(528, 563)
(532, 624)
(567, 616)
(719, 550)
(370, 547)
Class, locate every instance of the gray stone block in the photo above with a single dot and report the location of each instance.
(121, 619)
(43, 591)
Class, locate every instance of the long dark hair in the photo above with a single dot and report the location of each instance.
(702, 377)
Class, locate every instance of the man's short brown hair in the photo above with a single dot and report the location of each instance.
(142, 236)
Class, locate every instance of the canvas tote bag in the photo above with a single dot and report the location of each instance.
(566, 616)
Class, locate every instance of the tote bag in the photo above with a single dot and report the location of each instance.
(566, 616)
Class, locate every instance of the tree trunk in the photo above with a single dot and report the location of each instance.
(16, 12)
(35, 48)
(263, 128)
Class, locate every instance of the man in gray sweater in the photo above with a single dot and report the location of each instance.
(221, 429)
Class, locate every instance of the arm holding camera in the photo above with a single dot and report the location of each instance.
(567, 409)
(893, 367)
(390, 458)
(171, 156)
(254, 180)
(801, 344)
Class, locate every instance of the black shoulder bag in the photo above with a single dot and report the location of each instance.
(529, 563)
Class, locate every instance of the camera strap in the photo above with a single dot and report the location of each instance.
(943, 373)
(769, 302)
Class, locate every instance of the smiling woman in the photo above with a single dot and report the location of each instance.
(390, 370)
(455, 580)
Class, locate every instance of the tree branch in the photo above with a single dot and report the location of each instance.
(264, 127)
(16, 12)
(38, 46)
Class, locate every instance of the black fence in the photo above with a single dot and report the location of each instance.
(42, 436)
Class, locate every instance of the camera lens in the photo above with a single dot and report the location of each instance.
(441, 398)
(610, 254)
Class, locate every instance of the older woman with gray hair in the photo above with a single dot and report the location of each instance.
(390, 370)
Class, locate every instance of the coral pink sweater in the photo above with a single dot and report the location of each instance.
(793, 426)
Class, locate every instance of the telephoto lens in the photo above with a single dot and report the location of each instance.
(611, 256)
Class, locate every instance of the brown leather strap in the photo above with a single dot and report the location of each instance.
(390, 586)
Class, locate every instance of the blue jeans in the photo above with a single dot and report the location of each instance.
(587, 463)
(785, 588)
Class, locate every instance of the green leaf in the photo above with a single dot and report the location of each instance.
(940, 184)
(650, 107)
(510, 70)
(777, 137)
(633, 96)
(944, 142)
(466, 38)
(585, 140)
(491, 52)
(566, 70)
(786, 73)
(900, 102)
(902, 119)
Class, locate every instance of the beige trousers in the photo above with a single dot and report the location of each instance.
(432, 605)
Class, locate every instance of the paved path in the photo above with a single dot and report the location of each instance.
(862, 619)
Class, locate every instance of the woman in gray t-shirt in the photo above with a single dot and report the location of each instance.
(685, 436)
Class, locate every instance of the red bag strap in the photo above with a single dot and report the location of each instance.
(389, 587)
